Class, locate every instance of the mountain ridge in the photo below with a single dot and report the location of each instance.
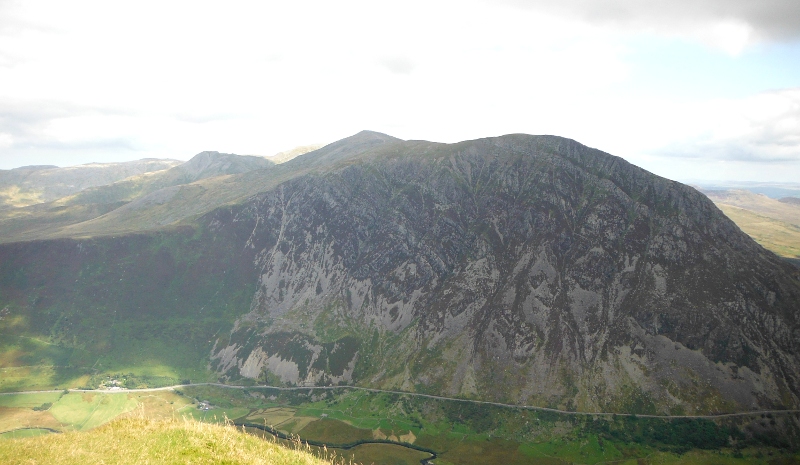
(91, 211)
(517, 269)
(30, 185)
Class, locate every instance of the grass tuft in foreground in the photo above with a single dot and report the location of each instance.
(136, 440)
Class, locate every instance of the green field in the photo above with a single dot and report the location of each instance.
(86, 411)
(24, 433)
(591, 449)
(216, 415)
(464, 433)
(384, 454)
(29, 400)
(350, 422)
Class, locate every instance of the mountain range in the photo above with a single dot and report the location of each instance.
(521, 269)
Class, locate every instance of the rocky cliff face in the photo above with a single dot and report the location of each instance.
(522, 269)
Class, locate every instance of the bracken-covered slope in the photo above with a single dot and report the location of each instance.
(525, 269)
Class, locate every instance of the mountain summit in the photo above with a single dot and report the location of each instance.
(209, 164)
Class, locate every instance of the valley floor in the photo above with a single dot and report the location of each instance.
(371, 426)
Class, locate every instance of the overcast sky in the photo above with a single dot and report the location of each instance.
(686, 89)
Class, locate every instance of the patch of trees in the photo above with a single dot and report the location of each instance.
(43, 407)
(478, 417)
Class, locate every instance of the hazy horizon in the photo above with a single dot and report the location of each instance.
(702, 183)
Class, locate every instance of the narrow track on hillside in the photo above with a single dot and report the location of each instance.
(414, 394)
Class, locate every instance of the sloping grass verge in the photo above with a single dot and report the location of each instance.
(144, 441)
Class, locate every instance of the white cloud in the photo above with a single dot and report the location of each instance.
(292, 72)
(761, 128)
(731, 36)
(752, 138)
(727, 24)
(95, 80)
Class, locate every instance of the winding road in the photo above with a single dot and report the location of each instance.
(414, 394)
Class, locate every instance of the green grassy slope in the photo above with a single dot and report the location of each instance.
(139, 440)
(147, 306)
(87, 411)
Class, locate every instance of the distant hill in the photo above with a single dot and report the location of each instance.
(775, 224)
(30, 185)
(773, 190)
(137, 203)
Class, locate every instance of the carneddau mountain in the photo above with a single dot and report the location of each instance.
(30, 185)
(521, 269)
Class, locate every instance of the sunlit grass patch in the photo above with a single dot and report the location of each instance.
(16, 197)
(84, 411)
(160, 404)
(139, 440)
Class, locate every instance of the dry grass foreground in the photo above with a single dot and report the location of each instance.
(137, 440)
